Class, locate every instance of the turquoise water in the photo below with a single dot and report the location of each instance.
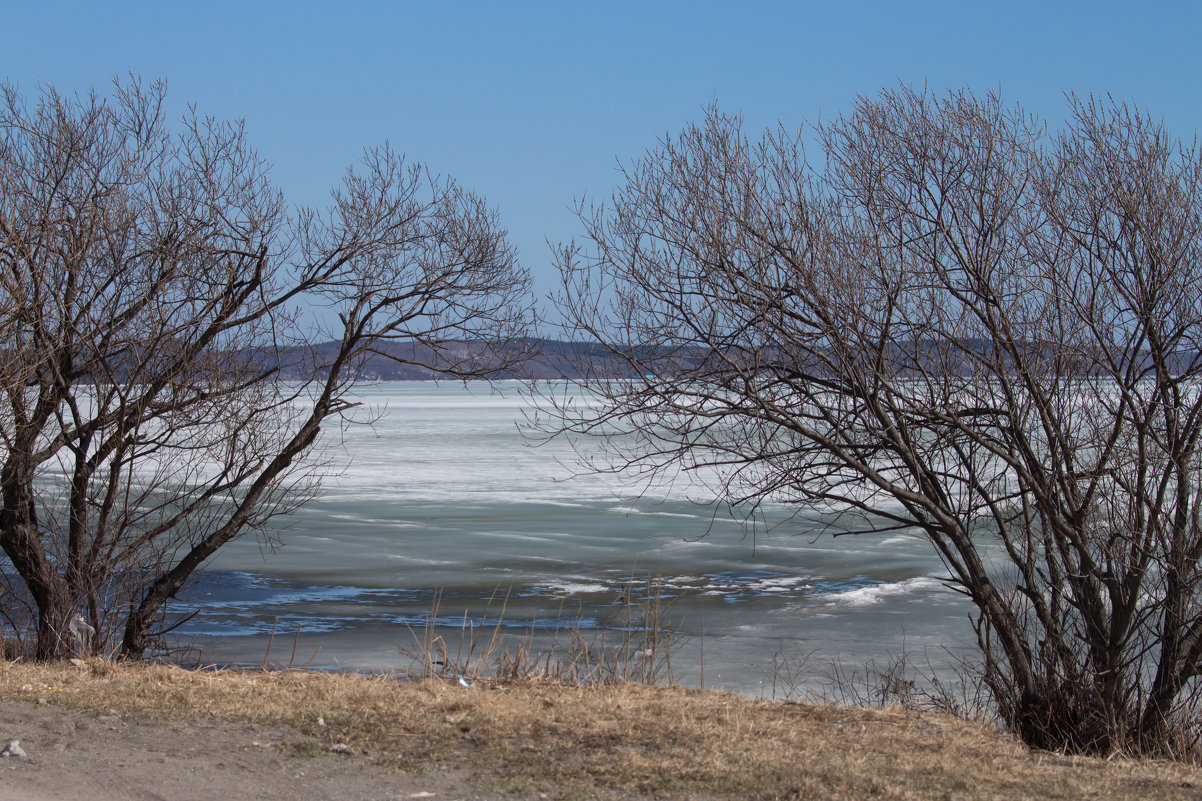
(442, 514)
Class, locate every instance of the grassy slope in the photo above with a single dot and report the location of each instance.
(572, 742)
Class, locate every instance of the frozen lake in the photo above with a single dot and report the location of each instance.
(442, 498)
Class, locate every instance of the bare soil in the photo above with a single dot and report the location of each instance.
(74, 756)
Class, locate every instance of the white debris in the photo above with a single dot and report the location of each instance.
(82, 633)
(13, 749)
(341, 748)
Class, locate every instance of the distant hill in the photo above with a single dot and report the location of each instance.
(549, 359)
(412, 361)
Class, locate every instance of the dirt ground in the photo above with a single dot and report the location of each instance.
(77, 757)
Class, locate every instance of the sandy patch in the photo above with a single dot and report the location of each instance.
(74, 756)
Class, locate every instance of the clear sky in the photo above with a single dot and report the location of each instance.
(531, 104)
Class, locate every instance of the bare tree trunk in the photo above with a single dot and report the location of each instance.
(49, 590)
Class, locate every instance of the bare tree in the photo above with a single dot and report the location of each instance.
(163, 315)
(957, 323)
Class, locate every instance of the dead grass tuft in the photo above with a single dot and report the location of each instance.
(582, 742)
(637, 644)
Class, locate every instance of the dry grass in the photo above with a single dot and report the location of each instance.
(613, 741)
(636, 645)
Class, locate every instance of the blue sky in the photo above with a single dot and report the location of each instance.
(531, 104)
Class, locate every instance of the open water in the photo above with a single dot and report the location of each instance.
(445, 516)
